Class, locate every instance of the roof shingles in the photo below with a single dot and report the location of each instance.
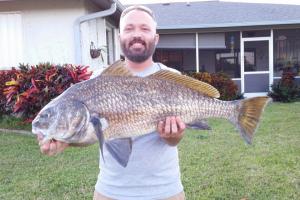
(223, 14)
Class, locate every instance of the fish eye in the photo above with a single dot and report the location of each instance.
(47, 114)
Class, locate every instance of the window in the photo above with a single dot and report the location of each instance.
(229, 63)
(110, 44)
(170, 57)
(256, 33)
(286, 51)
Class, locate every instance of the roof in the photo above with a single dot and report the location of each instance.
(217, 14)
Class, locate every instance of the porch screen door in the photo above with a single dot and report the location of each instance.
(256, 63)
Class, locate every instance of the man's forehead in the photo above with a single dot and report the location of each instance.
(138, 8)
(137, 14)
(137, 17)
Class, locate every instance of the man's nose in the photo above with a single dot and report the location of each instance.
(137, 34)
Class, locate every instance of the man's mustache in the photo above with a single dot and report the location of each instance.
(137, 40)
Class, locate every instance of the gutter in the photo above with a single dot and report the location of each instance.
(228, 25)
(85, 18)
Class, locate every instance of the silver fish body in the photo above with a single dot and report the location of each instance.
(113, 106)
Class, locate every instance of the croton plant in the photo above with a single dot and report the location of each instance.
(33, 87)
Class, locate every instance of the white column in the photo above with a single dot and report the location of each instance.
(271, 59)
(242, 62)
(197, 53)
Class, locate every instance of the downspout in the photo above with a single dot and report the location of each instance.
(85, 18)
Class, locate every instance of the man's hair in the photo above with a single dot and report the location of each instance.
(140, 8)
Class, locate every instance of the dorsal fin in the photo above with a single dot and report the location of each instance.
(117, 69)
(202, 87)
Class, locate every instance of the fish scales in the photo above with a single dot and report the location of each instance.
(134, 105)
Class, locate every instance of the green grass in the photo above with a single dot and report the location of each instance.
(214, 165)
(9, 122)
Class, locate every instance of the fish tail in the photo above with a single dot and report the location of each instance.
(247, 115)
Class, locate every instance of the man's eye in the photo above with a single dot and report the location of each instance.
(145, 29)
(128, 29)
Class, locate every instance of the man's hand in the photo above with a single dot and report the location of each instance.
(52, 147)
(171, 130)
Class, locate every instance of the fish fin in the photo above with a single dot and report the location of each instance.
(96, 121)
(120, 149)
(200, 125)
(202, 87)
(248, 115)
(117, 69)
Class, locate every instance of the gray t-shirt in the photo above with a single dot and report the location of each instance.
(152, 171)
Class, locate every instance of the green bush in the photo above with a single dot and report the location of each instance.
(34, 86)
(222, 82)
(286, 90)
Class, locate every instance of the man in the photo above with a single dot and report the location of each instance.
(153, 169)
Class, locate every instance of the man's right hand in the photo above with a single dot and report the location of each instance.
(52, 147)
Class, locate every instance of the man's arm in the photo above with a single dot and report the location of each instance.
(172, 130)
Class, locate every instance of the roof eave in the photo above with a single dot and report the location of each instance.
(228, 25)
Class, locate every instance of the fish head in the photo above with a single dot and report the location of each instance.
(62, 120)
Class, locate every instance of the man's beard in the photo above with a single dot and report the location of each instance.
(138, 56)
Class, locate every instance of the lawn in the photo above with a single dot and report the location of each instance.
(214, 165)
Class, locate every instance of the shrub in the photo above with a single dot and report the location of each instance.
(286, 90)
(222, 82)
(34, 86)
(5, 75)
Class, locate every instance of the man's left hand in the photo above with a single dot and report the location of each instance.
(172, 130)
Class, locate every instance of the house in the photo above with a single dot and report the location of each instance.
(69, 31)
(252, 43)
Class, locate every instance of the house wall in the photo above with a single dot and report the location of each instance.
(93, 31)
(47, 28)
(48, 32)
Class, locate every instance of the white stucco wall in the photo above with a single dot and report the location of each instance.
(48, 31)
(93, 31)
(47, 28)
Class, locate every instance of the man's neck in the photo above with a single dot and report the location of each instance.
(139, 67)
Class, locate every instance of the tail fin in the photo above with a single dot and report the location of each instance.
(248, 116)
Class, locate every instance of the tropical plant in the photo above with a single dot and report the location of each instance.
(5, 75)
(34, 86)
(221, 81)
(286, 89)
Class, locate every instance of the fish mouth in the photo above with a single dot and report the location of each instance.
(36, 131)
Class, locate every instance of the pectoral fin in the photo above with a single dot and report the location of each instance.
(200, 125)
(120, 149)
(96, 121)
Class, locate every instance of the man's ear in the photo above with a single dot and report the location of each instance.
(156, 39)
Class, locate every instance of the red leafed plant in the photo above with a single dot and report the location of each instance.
(34, 86)
(222, 82)
(5, 75)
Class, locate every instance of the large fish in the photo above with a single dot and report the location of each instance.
(116, 106)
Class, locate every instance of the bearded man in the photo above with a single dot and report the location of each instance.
(153, 169)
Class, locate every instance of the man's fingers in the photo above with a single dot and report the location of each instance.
(180, 123)
(45, 148)
(160, 127)
(40, 137)
(168, 126)
(52, 149)
(174, 128)
(61, 146)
